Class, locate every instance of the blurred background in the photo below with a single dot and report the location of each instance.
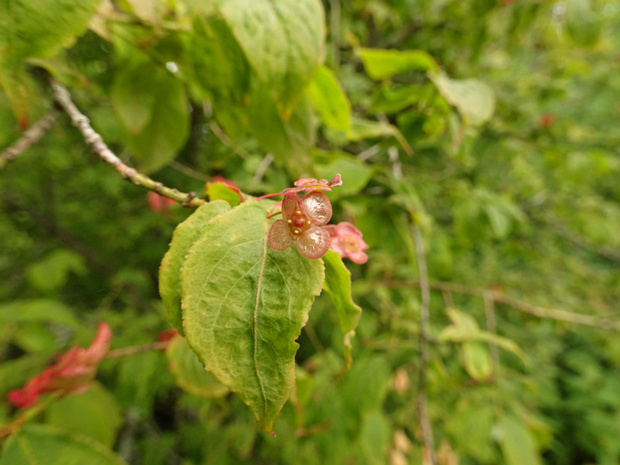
(480, 159)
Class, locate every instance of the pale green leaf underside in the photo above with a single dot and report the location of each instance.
(474, 99)
(189, 372)
(183, 237)
(244, 306)
(338, 286)
(38, 444)
(329, 100)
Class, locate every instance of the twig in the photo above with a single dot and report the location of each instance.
(190, 172)
(97, 145)
(489, 312)
(262, 168)
(606, 252)
(125, 351)
(428, 453)
(27, 414)
(542, 312)
(334, 25)
(30, 137)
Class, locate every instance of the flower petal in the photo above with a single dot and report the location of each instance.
(290, 203)
(279, 237)
(314, 243)
(318, 207)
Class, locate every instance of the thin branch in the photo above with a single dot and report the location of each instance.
(489, 312)
(428, 453)
(29, 138)
(189, 172)
(262, 168)
(125, 351)
(605, 252)
(97, 145)
(542, 312)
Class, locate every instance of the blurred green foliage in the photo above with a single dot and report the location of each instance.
(508, 109)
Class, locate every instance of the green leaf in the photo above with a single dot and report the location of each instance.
(189, 372)
(51, 273)
(282, 40)
(374, 438)
(38, 310)
(477, 360)
(338, 286)
(465, 329)
(354, 172)
(364, 129)
(77, 413)
(37, 444)
(159, 140)
(329, 100)
(244, 305)
(133, 94)
(382, 64)
(182, 238)
(290, 141)
(517, 443)
(36, 29)
(221, 191)
(474, 99)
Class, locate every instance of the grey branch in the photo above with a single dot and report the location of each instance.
(30, 137)
(97, 145)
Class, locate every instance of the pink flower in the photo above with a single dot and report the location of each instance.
(159, 203)
(73, 373)
(311, 184)
(346, 241)
(302, 223)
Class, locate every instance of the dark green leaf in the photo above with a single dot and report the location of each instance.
(76, 413)
(37, 444)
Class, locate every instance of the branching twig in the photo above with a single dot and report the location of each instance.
(30, 137)
(542, 312)
(96, 143)
(424, 338)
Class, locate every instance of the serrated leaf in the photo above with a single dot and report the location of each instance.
(474, 99)
(36, 29)
(382, 64)
(329, 100)
(37, 444)
(338, 287)
(282, 40)
(244, 305)
(77, 412)
(182, 238)
(189, 372)
(517, 443)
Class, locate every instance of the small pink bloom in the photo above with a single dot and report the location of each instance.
(546, 120)
(346, 241)
(73, 373)
(311, 184)
(302, 223)
(167, 335)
